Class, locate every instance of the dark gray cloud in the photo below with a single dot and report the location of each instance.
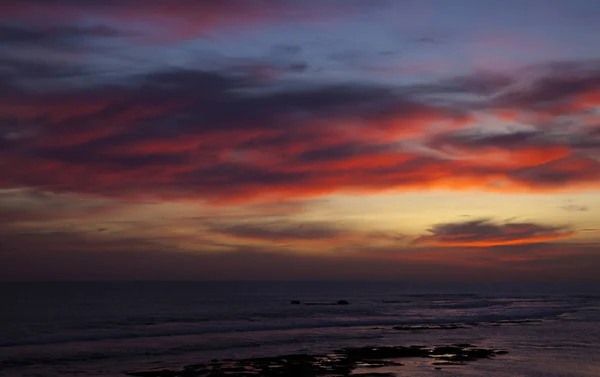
(561, 172)
(281, 231)
(344, 151)
(478, 139)
(14, 70)
(479, 83)
(567, 134)
(54, 37)
(485, 232)
(574, 208)
(555, 85)
(23, 205)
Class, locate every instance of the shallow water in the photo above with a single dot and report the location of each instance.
(105, 329)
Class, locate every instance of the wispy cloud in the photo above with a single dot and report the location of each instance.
(478, 233)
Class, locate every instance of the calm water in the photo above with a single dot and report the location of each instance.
(105, 329)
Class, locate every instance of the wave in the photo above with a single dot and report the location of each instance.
(183, 329)
(194, 347)
(472, 304)
(284, 311)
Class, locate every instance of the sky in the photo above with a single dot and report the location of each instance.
(427, 140)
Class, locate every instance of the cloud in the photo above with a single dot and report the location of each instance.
(55, 37)
(226, 137)
(281, 231)
(64, 256)
(570, 136)
(571, 170)
(478, 83)
(179, 19)
(15, 72)
(29, 205)
(99, 254)
(574, 208)
(484, 233)
(559, 88)
(180, 125)
(60, 256)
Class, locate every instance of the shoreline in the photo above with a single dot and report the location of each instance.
(354, 361)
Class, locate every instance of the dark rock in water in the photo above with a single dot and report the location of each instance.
(458, 354)
(341, 302)
(445, 350)
(377, 364)
(339, 363)
(295, 302)
(377, 353)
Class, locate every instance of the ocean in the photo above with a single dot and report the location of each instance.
(112, 328)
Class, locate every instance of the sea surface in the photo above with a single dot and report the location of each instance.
(108, 329)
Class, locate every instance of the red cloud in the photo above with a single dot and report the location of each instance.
(186, 134)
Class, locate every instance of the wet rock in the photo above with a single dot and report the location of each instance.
(340, 302)
(377, 364)
(339, 363)
(458, 354)
(378, 353)
(446, 350)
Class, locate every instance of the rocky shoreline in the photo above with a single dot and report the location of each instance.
(340, 363)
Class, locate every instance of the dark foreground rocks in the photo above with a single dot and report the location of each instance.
(340, 302)
(339, 363)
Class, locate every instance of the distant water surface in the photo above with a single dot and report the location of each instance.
(106, 329)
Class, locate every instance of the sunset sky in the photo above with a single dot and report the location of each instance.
(300, 139)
